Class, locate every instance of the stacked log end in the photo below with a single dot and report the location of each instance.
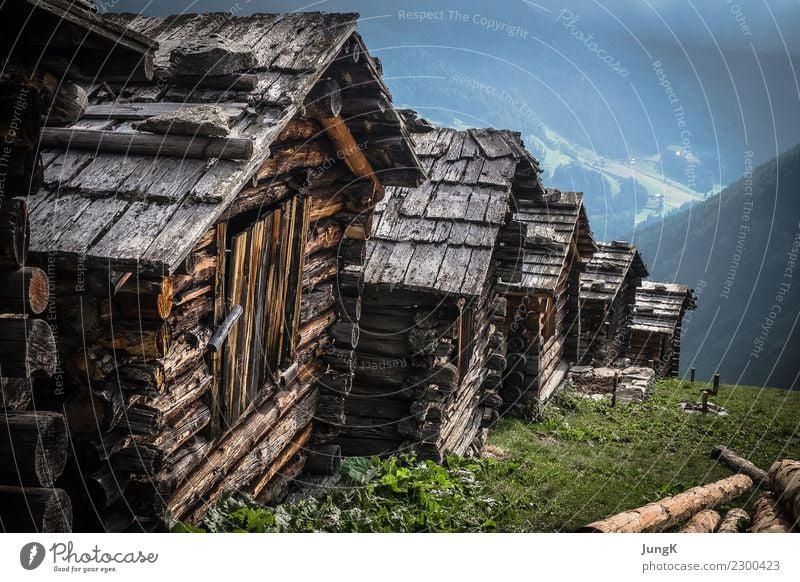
(138, 407)
(331, 303)
(536, 346)
(33, 443)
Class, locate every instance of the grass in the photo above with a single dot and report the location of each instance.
(585, 460)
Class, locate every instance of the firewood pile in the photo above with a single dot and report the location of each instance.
(628, 384)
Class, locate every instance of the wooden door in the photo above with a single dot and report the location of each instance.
(264, 276)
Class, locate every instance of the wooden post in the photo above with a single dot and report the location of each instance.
(692, 371)
(614, 385)
(705, 401)
(715, 389)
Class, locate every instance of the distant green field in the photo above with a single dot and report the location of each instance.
(586, 460)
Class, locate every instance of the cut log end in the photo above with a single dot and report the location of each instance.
(784, 481)
(704, 522)
(14, 233)
(35, 510)
(768, 517)
(27, 347)
(33, 448)
(24, 290)
(94, 411)
(324, 459)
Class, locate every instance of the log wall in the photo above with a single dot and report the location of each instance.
(426, 374)
(33, 443)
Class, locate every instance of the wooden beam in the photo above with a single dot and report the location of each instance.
(350, 151)
(99, 141)
(141, 111)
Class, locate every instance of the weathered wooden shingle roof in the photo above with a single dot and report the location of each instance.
(608, 268)
(147, 212)
(553, 224)
(440, 236)
(660, 306)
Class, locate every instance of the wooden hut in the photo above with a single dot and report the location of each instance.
(543, 322)
(429, 359)
(206, 229)
(608, 289)
(655, 329)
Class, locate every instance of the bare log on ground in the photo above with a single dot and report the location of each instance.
(738, 464)
(671, 511)
(784, 481)
(704, 522)
(768, 517)
(735, 521)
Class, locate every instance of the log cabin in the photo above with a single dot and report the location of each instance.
(543, 321)
(206, 227)
(608, 290)
(430, 356)
(34, 92)
(655, 329)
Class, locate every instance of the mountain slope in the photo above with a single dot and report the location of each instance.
(739, 250)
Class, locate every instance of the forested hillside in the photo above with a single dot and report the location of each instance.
(739, 250)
